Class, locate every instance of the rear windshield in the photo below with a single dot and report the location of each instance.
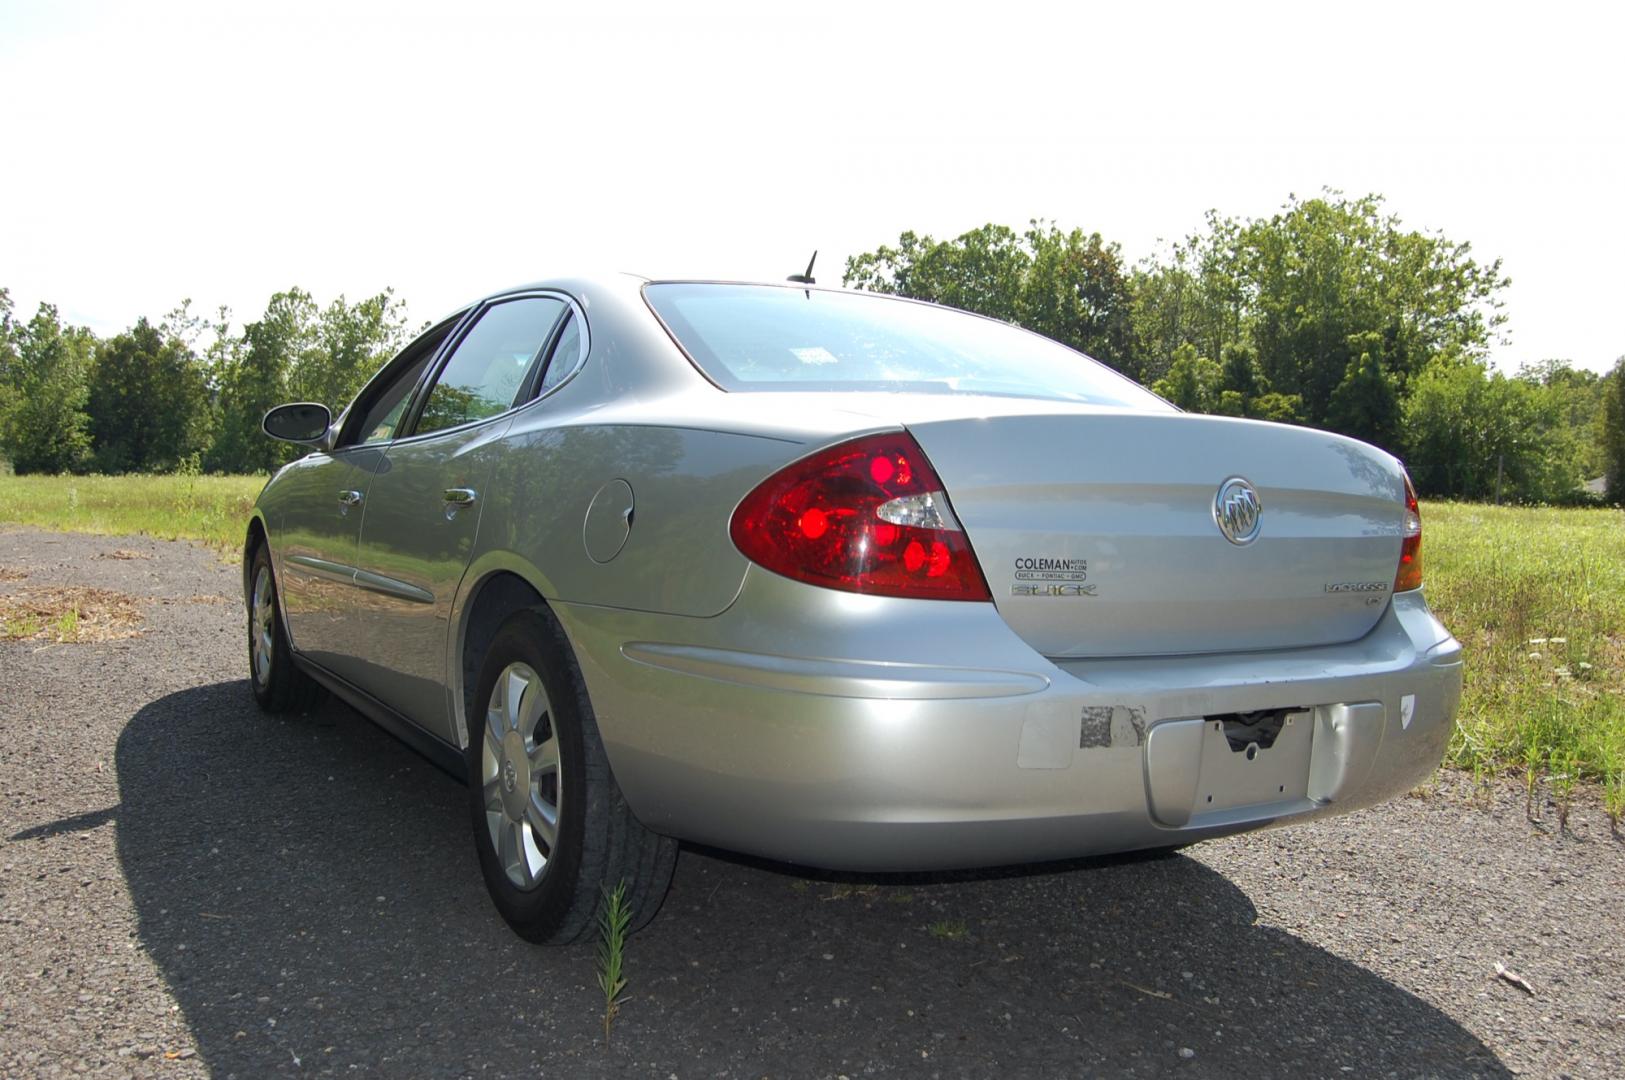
(767, 337)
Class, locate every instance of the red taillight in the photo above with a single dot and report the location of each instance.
(1410, 548)
(866, 516)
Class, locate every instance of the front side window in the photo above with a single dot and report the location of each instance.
(488, 368)
(378, 409)
(767, 337)
(383, 419)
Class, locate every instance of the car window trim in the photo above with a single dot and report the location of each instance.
(415, 410)
(533, 377)
(533, 391)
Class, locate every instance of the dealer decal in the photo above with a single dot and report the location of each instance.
(1046, 575)
(1043, 568)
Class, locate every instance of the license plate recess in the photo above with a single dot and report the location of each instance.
(1213, 770)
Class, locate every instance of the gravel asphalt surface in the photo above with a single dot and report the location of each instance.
(189, 888)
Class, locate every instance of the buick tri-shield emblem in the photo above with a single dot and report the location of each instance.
(1237, 511)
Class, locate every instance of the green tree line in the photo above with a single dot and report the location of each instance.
(183, 393)
(1329, 312)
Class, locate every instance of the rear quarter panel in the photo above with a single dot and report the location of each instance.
(676, 558)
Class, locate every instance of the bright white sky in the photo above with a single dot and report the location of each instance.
(223, 151)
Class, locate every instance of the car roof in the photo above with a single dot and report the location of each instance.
(627, 284)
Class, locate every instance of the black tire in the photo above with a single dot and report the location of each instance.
(278, 684)
(598, 841)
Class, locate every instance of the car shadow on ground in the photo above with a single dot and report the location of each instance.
(307, 887)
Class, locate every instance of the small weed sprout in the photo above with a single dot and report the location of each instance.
(948, 929)
(1612, 754)
(22, 627)
(1613, 799)
(1481, 778)
(613, 919)
(1564, 768)
(845, 892)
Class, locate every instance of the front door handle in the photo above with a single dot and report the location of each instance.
(348, 499)
(459, 499)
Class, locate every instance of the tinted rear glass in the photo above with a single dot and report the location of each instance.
(763, 337)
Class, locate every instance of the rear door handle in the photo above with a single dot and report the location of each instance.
(459, 499)
(348, 499)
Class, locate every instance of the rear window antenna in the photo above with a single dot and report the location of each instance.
(807, 278)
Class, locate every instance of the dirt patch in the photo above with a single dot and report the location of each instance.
(11, 575)
(123, 554)
(200, 598)
(70, 615)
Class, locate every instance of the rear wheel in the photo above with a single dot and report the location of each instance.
(278, 685)
(550, 824)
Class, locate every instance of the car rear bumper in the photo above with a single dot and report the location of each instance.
(868, 733)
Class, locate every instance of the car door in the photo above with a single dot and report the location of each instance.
(322, 505)
(423, 508)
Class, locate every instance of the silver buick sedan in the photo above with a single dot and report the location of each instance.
(838, 579)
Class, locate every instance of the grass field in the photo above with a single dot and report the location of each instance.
(1537, 596)
(213, 509)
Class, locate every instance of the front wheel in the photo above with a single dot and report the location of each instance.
(278, 685)
(551, 826)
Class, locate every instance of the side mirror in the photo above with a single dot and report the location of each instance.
(302, 422)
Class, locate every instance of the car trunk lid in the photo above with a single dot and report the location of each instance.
(1098, 534)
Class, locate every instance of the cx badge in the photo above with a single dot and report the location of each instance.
(1237, 511)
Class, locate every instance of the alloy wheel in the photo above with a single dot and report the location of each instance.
(262, 636)
(520, 775)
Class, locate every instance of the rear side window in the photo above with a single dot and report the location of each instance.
(566, 355)
(764, 337)
(488, 368)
